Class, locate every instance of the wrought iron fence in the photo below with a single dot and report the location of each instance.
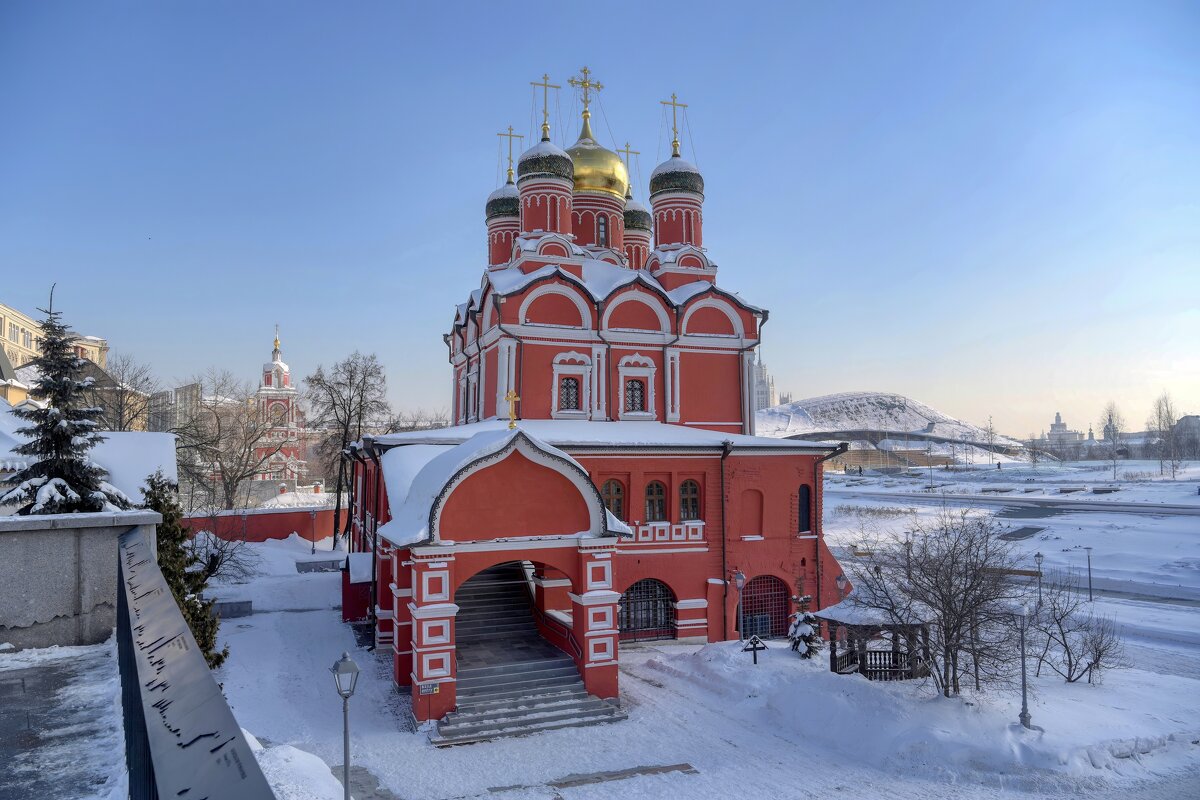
(181, 739)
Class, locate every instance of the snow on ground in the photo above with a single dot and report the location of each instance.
(785, 729)
(277, 586)
(301, 499)
(62, 706)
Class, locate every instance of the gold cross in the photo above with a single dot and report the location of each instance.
(674, 121)
(512, 399)
(628, 153)
(546, 87)
(510, 136)
(587, 85)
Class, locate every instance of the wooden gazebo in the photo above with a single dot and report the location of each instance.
(871, 642)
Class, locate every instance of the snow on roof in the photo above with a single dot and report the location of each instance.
(633, 205)
(674, 164)
(569, 434)
(418, 478)
(507, 190)
(542, 149)
(359, 565)
(129, 456)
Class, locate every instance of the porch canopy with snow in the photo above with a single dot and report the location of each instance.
(865, 638)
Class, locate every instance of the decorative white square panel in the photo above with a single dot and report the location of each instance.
(435, 586)
(435, 665)
(435, 631)
(600, 619)
(599, 575)
(600, 649)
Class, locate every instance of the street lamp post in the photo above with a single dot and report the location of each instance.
(345, 676)
(739, 580)
(1024, 715)
(1089, 558)
(1038, 557)
(841, 584)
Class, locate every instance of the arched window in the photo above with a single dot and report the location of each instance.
(764, 610)
(656, 502)
(613, 495)
(602, 230)
(646, 611)
(568, 394)
(805, 508)
(635, 395)
(689, 500)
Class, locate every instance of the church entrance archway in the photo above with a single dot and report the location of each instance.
(646, 612)
(764, 609)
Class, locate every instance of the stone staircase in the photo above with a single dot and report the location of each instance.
(511, 681)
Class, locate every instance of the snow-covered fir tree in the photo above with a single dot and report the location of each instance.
(62, 479)
(805, 630)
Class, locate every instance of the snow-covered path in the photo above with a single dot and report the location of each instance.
(785, 729)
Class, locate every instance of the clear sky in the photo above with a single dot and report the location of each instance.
(993, 208)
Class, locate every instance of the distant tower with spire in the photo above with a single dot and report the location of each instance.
(277, 401)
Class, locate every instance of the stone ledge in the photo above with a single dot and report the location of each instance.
(99, 519)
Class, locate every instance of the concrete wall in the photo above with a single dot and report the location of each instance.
(58, 576)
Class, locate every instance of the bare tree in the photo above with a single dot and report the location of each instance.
(348, 400)
(1035, 453)
(1162, 423)
(989, 435)
(1112, 424)
(125, 395)
(419, 420)
(226, 440)
(1075, 643)
(953, 574)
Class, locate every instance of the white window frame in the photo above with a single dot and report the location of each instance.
(640, 367)
(572, 364)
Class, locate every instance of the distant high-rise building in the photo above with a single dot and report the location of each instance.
(764, 385)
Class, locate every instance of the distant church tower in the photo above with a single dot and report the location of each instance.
(764, 385)
(278, 401)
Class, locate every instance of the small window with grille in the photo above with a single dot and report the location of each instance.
(568, 394)
(602, 230)
(613, 495)
(635, 395)
(689, 500)
(656, 502)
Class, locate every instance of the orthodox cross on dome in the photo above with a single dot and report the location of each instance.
(513, 398)
(587, 85)
(675, 106)
(546, 87)
(628, 166)
(510, 136)
(275, 353)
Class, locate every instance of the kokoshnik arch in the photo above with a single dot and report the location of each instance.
(632, 488)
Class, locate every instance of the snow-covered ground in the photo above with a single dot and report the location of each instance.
(784, 729)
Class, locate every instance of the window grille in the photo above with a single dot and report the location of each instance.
(764, 608)
(689, 500)
(602, 230)
(656, 502)
(613, 495)
(635, 395)
(568, 394)
(646, 611)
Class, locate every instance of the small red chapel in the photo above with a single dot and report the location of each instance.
(602, 483)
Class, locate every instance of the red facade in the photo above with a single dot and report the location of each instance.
(633, 488)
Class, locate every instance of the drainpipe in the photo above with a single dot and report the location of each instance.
(748, 404)
(726, 449)
(819, 493)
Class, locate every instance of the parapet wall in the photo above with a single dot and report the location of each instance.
(58, 576)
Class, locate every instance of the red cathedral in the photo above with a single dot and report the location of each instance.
(627, 496)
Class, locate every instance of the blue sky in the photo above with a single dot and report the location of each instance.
(993, 208)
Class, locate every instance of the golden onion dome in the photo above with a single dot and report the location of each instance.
(597, 169)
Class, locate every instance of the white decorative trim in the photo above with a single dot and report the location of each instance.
(427, 579)
(436, 611)
(696, 603)
(572, 364)
(645, 298)
(597, 524)
(691, 623)
(428, 668)
(585, 314)
(671, 384)
(599, 575)
(601, 649)
(598, 597)
(721, 305)
(428, 626)
(635, 367)
(600, 618)
(550, 583)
